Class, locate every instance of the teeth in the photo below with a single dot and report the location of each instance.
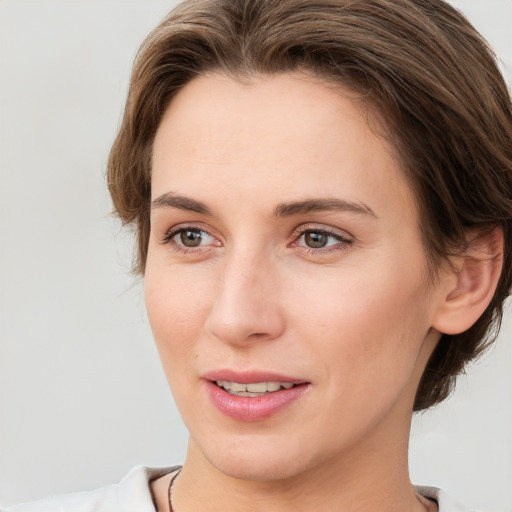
(274, 386)
(253, 389)
(260, 387)
(237, 388)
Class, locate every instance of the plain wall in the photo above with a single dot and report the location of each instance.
(82, 395)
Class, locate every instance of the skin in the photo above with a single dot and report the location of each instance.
(356, 319)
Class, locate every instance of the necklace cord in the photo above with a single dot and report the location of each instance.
(171, 487)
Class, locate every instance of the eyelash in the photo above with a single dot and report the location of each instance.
(175, 231)
(342, 241)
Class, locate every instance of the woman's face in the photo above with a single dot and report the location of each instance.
(285, 261)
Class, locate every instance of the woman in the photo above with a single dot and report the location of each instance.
(321, 192)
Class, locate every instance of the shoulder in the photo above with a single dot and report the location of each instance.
(132, 494)
(444, 502)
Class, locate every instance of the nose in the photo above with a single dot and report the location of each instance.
(246, 305)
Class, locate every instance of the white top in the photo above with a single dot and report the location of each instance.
(132, 494)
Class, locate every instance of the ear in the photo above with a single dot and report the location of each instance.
(468, 287)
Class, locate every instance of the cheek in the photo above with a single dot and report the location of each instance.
(370, 327)
(364, 347)
(177, 306)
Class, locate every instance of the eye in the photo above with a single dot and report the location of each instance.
(318, 239)
(190, 237)
(185, 238)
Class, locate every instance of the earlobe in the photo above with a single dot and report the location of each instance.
(471, 284)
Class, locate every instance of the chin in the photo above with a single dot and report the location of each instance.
(257, 460)
(259, 470)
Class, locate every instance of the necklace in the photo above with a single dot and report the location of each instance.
(171, 488)
(426, 502)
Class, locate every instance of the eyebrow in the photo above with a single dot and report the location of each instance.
(321, 205)
(170, 200)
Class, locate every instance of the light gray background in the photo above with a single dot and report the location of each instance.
(82, 395)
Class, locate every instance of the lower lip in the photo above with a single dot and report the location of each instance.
(257, 408)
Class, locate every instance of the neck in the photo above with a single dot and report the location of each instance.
(373, 475)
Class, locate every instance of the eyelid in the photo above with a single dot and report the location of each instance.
(330, 230)
(167, 239)
(344, 238)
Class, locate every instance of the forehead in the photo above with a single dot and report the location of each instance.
(291, 133)
(219, 108)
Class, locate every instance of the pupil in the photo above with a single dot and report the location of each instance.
(190, 238)
(315, 240)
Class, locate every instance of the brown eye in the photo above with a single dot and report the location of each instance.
(191, 237)
(322, 240)
(316, 239)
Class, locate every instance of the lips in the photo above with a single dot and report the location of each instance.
(252, 396)
(253, 388)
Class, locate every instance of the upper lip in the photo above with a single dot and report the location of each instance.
(249, 377)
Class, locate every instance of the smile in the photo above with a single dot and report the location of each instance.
(253, 389)
(254, 399)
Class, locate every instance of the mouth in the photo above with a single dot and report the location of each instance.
(253, 389)
(254, 395)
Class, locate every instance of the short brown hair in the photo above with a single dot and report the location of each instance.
(419, 63)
